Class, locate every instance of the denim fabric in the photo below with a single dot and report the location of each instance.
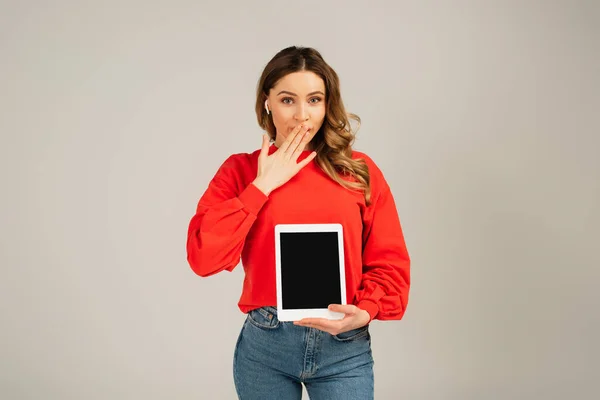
(273, 358)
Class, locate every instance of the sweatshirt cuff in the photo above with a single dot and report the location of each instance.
(369, 306)
(253, 199)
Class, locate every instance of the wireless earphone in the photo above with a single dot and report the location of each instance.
(267, 107)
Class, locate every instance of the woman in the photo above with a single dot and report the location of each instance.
(310, 174)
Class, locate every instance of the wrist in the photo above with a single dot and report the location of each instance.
(370, 307)
(365, 316)
(262, 186)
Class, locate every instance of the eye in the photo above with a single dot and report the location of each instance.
(287, 100)
(315, 100)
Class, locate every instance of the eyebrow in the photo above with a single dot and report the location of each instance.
(294, 94)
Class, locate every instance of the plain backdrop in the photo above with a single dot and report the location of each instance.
(115, 115)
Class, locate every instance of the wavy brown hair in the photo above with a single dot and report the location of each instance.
(333, 142)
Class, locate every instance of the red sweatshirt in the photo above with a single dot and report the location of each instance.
(234, 220)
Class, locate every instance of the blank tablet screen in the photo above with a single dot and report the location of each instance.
(310, 270)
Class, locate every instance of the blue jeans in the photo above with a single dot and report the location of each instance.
(273, 358)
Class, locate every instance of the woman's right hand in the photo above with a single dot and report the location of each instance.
(276, 169)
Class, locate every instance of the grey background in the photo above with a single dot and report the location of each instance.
(114, 116)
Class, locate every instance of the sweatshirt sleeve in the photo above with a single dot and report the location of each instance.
(384, 288)
(224, 216)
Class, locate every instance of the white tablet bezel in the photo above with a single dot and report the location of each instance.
(298, 314)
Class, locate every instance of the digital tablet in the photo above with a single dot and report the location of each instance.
(310, 270)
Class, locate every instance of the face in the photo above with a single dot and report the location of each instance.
(297, 98)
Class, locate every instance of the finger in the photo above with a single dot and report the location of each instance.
(343, 308)
(265, 145)
(305, 139)
(290, 138)
(319, 323)
(331, 327)
(295, 149)
(322, 328)
(322, 322)
(311, 320)
(305, 322)
(307, 160)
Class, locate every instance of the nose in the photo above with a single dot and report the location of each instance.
(302, 113)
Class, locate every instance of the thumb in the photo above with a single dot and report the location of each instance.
(343, 308)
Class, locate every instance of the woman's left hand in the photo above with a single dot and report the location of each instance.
(354, 318)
